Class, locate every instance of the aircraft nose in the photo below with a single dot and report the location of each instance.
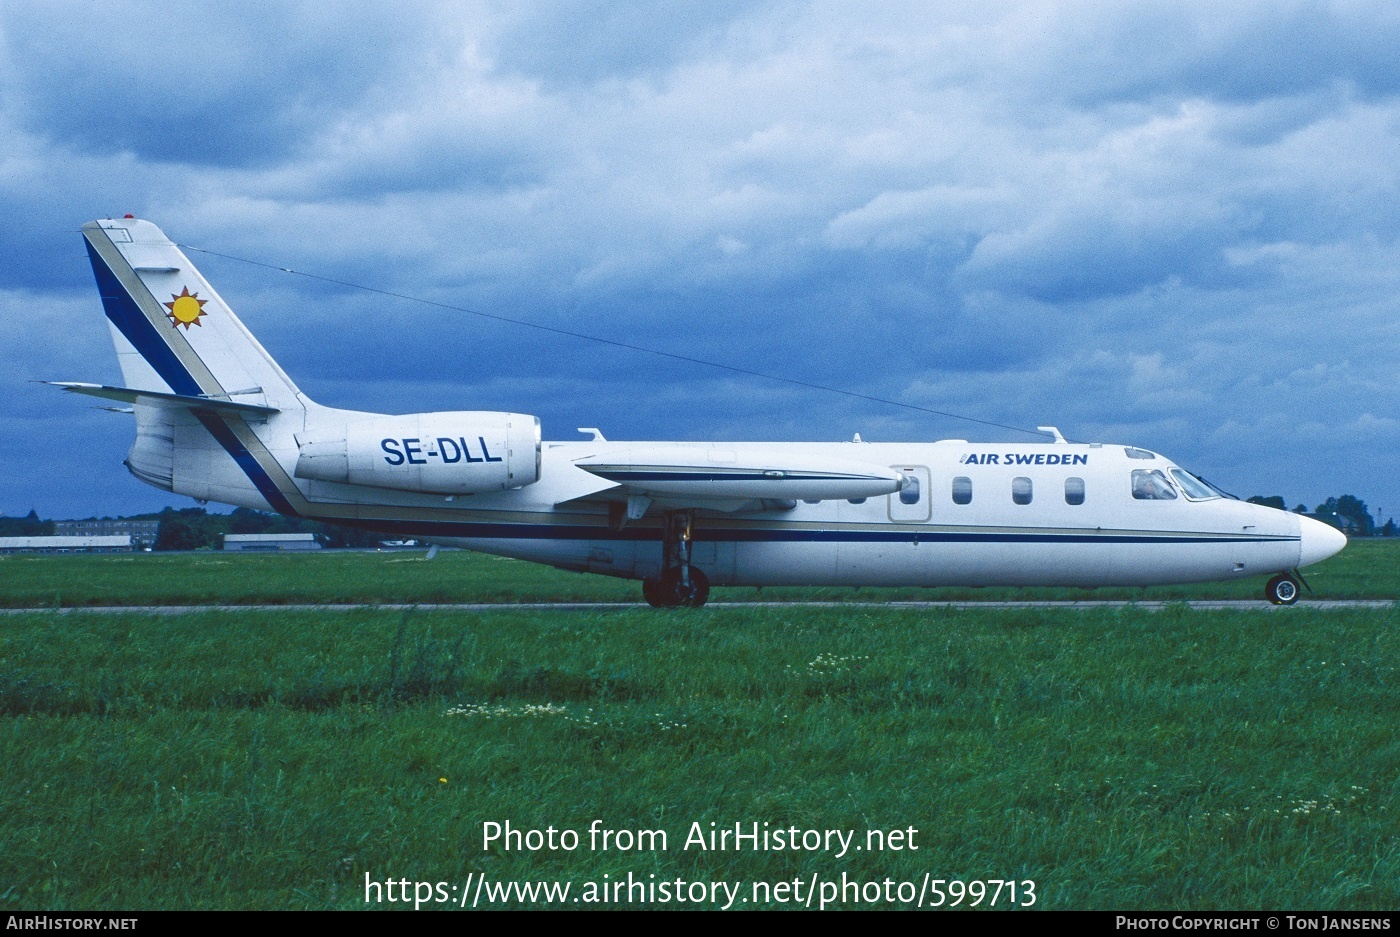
(1319, 541)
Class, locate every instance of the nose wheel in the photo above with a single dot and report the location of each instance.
(1282, 590)
(680, 585)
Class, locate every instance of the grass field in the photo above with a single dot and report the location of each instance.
(1119, 758)
(1366, 569)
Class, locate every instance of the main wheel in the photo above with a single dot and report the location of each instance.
(668, 592)
(656, 595)
(699, 591)
(1282, 590)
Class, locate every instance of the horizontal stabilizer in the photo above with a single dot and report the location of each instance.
(153, 398)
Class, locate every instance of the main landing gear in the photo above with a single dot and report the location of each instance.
(680, 585)
(1282, 590)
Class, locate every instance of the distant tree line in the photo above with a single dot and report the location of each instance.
(197, 529)
(27, 526)
(1347, 513)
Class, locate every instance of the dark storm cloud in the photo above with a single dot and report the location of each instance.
(571, 41)
(211, 85)
(1246, 53)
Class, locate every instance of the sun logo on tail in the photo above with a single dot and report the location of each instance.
(185, 309)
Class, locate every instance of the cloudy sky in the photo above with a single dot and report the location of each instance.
(1174, 225)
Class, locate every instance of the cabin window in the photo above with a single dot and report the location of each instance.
(1021, 489)
(962, 490)
(1074, 490)
(1152, 485)
(909, 494)
(1138, 453)
(1193, 487)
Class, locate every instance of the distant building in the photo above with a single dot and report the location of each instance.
(269, 542)
(143, 532)
(117, 543)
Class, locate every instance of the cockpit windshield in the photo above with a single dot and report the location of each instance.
(1152, 485)
(1215, 488)
(1194, 488)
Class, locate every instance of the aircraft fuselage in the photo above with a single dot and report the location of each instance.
(1108, 538)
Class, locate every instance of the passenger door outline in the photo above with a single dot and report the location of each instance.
(920, 511)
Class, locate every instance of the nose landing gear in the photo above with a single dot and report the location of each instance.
(680, 585)
(1282, 590)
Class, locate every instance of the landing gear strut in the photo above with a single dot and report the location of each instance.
(1282, 590)
(680, 585)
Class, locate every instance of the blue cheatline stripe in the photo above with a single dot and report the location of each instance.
(750, 535)
(121, 308)
(724, 476)
(127, 316)
(219, 429)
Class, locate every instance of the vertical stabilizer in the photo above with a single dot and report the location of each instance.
(173, 332)
(175, 335)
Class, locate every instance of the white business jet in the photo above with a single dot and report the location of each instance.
(217, 419)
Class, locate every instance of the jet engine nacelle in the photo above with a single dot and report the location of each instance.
(450, 453)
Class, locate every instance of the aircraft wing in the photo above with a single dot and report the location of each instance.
(158, 399)
(707, 476)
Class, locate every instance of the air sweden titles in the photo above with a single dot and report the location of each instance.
(1023, 458)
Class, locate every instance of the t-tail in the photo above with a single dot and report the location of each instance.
(210, 403)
